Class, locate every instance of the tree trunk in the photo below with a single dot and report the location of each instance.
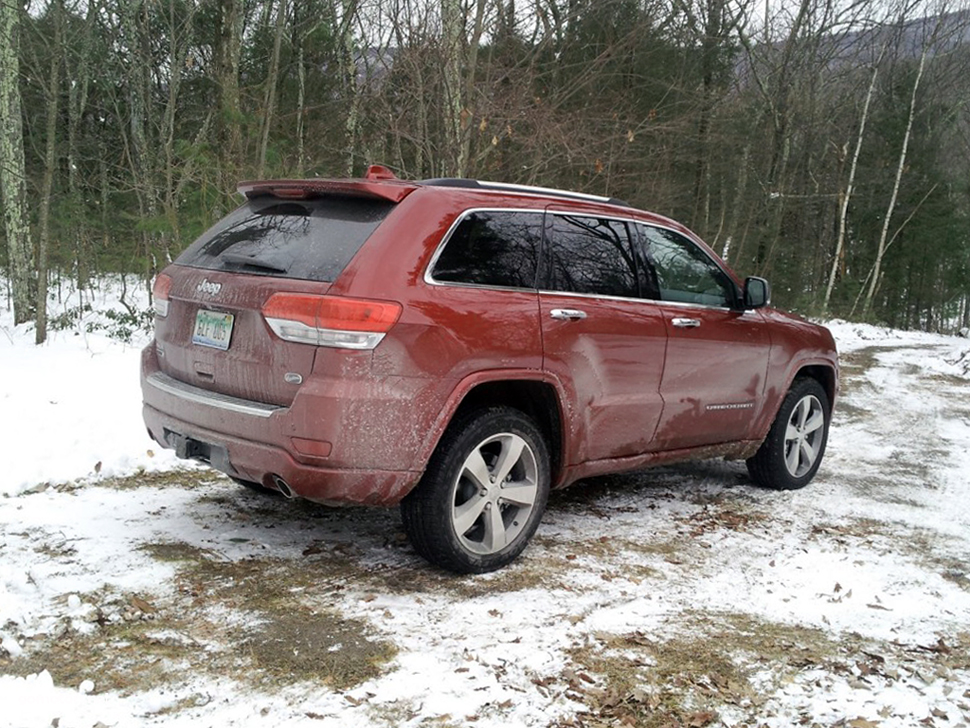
(740, 194)
(179, 44)
(712, 42)
(884, 234)
(467, 115)
(348, 72)
(14, 182)
(847, 196)
(77, 79)
(272, 81)
(50, 163)
(452, 46)
(228, 51)
(140, 152)
(301, 108)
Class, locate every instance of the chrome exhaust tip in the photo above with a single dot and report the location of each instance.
(282, 487)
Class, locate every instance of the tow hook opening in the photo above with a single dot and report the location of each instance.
(190, 448)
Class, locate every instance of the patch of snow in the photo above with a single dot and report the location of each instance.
(72, 405)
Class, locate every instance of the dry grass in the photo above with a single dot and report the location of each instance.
(708, 662)
(258, 621)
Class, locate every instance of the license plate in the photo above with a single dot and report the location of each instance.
(212, 329)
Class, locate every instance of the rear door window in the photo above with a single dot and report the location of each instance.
(492, 248)
(307, 239)
(590, 255)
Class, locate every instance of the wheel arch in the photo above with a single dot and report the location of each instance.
(823, 371)
(824, 375)
(532, 393)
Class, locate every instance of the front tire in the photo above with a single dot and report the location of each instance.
(789, 457)
(483, 493)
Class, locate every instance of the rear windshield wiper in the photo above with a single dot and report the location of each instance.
(251, 261)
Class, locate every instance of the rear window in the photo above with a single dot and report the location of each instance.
(307, 239)
(590, 255)
(492, 248)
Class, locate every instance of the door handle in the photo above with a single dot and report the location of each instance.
(567, 314)
(686, 323)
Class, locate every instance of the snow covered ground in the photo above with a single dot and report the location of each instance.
(134, 592)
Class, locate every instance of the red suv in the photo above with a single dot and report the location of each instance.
(461, 347)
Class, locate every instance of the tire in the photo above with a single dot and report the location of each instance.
(464, 516)
(789, 457)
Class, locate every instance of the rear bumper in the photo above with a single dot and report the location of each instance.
(259, 442)
(259, 463)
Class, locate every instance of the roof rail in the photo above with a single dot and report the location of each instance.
(521, 189)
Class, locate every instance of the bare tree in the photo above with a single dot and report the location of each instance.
(875, 274)
(846, 195)
(272, 82)
(12, 167)
(227, 57)
(56, 8)
(77, 70)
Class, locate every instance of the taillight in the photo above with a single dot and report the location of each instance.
(160, 289)
(343, 323)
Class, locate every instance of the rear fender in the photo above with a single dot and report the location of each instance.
(469, 383)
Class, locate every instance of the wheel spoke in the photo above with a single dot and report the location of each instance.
(465, 515)
(814, 422)
(520, 494)
(808, 453)
(791, 432)
(512, 446)
(476, 469)
(804, 407)
(495, 536)
(791, 458)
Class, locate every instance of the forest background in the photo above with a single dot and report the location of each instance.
(823, 144)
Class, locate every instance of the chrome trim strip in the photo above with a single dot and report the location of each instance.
(550, 191)
(430, 280)
(164, 383)
(599, 297)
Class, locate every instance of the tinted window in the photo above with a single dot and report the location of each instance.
(498, 248)
(683, 271)
(308, 239)
(590, 255)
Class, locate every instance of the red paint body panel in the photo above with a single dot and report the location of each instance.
(624, 386)
(610, 364)
(714, 378)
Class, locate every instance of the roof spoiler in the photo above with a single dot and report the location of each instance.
(379, 183)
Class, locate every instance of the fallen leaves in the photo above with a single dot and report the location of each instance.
(359, 701)
(143, 606)
(716, 517)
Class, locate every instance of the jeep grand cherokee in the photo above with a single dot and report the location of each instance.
(460, 347)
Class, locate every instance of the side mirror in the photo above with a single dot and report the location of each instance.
(757, 292)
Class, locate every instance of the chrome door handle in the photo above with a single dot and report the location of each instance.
(567, 314)
(686, 323)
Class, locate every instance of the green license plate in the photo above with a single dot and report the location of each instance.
(212, 329)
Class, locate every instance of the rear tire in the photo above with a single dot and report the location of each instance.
(789, 457)
(483, 493)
